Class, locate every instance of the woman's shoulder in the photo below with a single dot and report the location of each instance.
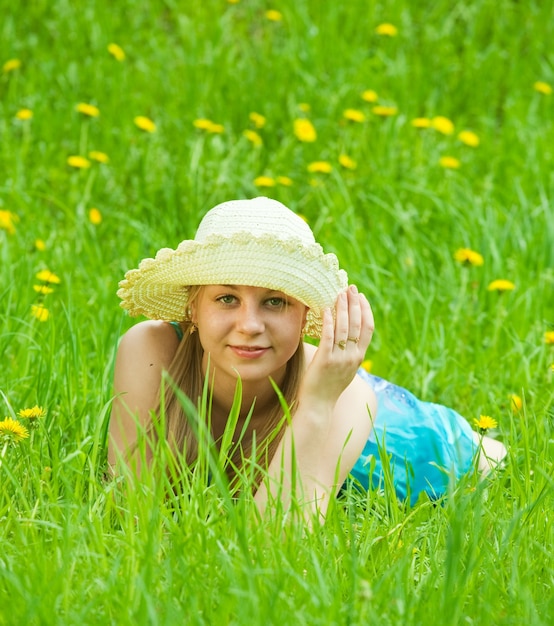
(151, 339)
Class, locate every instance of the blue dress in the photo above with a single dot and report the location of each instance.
(427, 444)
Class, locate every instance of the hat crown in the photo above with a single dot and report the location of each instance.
(258, 217)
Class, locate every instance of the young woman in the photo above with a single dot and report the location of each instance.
(236, 303)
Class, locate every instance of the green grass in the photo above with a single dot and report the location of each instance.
(75, 549)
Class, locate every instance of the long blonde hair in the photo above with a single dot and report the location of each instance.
(186, 376)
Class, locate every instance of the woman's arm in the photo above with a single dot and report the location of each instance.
(144, 352)
(333, 418)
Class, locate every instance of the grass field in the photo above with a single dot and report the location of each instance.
(428, 129)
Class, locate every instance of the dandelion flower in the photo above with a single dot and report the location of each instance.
(443, 125)
(304, 130)
(264, 181)
(7, 221)
(515, 402)
(11, 430)
(320, 167)
(542, 87)
(549, 337)
(485, 422)
(353, 115)
(208, 126)
(469, 138)
(47, 276)
(347, 162)
(384, 111)
(273, 15)
(40, 312)
(450, 162)
(78, 162)
(285, 181)
(116, 51)
(88, 109)
(99, 157)
(24, 114)
(389, 30)
(367, 365)
(35, 412)
(257, 119)
(501, 285)
(43, 290)
(145, 124)
(369, 95)
(253, 137)
(11, 65)
(40, 245)
(468, 257)
(421, 122)
(94, 216)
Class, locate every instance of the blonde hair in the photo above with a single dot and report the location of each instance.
(186, 376)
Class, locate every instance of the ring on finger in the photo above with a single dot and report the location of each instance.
(341, 344)
(354, 339)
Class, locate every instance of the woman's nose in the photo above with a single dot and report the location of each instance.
(250, 319)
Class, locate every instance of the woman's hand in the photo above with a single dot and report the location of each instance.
(341, 350)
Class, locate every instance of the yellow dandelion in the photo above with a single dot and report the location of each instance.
(94, 216)
(233, 1)
(216, 128)
(320, 167)
(450, 162)
(347, 162)
(421, 122)
(264, 181)
(353, 115)
(485, 422)
(145, 124)
(40, 312)
(7, 221)
(469, 138)
(88, 109)
(24, 114)
(43, 290)
(542, 87)
(78, 162)
(273, 15)
(11, 65)
(202, 124)
(367, 365)
(116, 51)
(369, 95)
(47, 276)
(515, 402)
(304, 130)
(549, 337)
(468, 257)
(384, 111)
(40, 245)
(389, 30)
(501, 285)
(443, 125)
(253, 137)
(285, 181)
(35, 412)
(257, 119)
(99, 157)
(11, 430)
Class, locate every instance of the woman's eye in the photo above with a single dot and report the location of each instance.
(226, 299)
(276, 302)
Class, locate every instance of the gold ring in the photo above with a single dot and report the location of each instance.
(354, 339)
(341, 344)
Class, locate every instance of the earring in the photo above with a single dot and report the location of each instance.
(193, 328)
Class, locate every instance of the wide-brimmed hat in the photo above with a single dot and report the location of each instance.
(258, 242)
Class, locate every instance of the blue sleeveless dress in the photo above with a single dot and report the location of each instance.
(426, 444)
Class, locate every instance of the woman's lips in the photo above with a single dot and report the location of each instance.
(249, 352)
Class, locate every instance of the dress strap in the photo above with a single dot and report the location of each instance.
(178, 329)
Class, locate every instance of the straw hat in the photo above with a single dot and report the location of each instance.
(258, 242)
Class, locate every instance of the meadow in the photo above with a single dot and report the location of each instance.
(416, 138)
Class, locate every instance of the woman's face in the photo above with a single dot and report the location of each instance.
(251, 332)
